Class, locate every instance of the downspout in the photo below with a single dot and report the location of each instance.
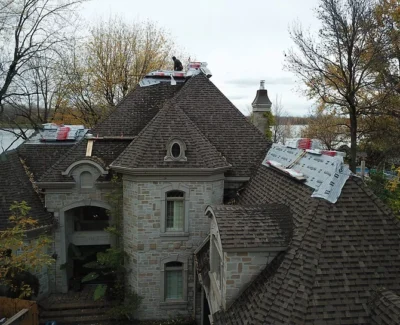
(195, 285)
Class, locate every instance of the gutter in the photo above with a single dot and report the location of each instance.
(170, 171)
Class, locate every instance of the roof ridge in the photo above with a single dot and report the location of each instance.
(182, 91)
(195, 135)
(378, 203)
(115, 108)
(59, 160)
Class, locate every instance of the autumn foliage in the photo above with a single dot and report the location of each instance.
(18, 254)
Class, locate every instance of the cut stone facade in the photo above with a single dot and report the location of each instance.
(60, 202)
(149, 248)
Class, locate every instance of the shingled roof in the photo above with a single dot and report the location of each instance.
(216, 121)
(386, 308)
(339, 256)
(262, 226)
(17, 186)
(136, 110)
(239, 141)
(40, 157)
(104, 149)
(150, 147)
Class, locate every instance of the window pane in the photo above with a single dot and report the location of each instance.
(176, 150)
(175, 215)
(174, 285)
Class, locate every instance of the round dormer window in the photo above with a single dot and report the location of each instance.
(176, 150)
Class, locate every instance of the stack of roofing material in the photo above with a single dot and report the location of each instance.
(52, 132)
(303, 143)
(326, 174)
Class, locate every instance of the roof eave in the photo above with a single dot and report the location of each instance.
(171, 171)
(255, 249)
(57, 185)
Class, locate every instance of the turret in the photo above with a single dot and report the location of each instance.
(261, 104)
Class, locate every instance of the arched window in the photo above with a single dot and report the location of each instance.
(173, 281)
(175, 211)
(174, 277)
(174, 217)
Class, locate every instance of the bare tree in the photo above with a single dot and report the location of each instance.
(120, 54)
(31, 31)
(337, 66)
(279, 129)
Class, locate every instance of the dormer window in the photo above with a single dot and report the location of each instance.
(176, 150)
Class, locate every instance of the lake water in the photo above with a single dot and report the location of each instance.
(9, 141)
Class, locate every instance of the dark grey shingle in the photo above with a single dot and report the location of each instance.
(339, 255)
(149, 148)
(255, 226)
(16, 185)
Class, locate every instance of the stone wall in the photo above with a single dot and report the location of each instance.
(59, 201)
(148, 248)
(240, 269)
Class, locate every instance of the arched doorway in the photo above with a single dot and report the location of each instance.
(82, 237)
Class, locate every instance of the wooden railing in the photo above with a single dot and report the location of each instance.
(19, 312)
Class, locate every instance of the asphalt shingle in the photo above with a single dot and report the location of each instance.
(340, 254)
(239, 141)
(253, 226)
(16, 185)
(150, 147)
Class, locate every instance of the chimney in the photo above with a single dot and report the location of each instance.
(261, 104)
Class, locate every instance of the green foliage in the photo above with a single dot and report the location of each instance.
(270, 122)
(111, 263)
(125, 309)
(99, 292)
(388, 190)
(90, 277)
(16, 253)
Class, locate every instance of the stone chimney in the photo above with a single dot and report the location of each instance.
(261, 104)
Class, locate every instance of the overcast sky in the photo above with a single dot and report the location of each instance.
(242, 41)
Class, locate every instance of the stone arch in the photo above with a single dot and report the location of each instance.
(63, 234)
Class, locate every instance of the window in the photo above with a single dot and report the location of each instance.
(176, 150)
(175, 216)
(86, 180)
(173, 281)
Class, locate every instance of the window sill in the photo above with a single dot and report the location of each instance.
(173, 304)
(174, 235)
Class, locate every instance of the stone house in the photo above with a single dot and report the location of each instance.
(179, 147)
(271, 255)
